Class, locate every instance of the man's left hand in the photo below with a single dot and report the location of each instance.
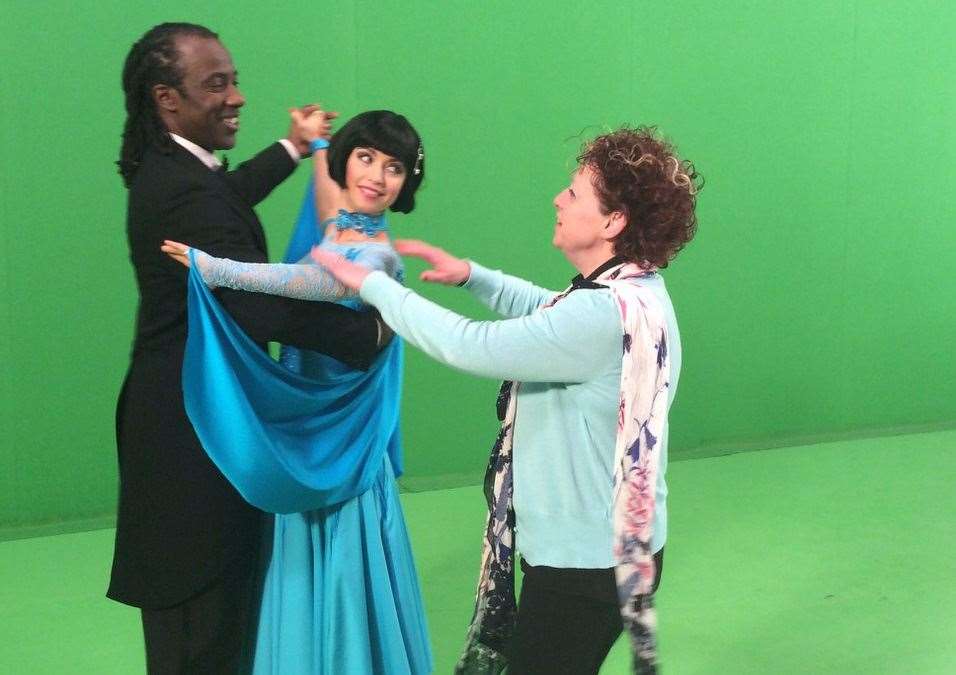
(308, 123)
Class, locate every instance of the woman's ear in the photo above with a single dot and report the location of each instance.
(616, 223)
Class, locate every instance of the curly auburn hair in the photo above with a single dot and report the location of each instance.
(639, 174)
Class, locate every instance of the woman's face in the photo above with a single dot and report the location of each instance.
(373, 180)
(579, 222)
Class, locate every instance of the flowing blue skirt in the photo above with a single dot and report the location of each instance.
(341, 594)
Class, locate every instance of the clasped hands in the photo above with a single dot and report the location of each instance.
(309, 123)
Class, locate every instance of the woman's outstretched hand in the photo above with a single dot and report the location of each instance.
(446, 268)
(176, 251)
(348, 273)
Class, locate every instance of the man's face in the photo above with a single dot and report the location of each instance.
(206, 110)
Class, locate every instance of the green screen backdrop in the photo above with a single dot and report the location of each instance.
(816, 301)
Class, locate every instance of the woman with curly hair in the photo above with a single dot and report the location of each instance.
(577, 471)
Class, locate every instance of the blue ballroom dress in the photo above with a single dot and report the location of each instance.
(316, 443)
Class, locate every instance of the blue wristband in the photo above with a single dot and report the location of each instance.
(318, 144)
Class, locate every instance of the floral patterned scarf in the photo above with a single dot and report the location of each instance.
(642, 412)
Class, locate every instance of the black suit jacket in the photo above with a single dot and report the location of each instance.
(180, 524)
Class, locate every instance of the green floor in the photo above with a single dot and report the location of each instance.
(835, 558)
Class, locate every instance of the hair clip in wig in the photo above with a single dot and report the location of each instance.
(418, 161)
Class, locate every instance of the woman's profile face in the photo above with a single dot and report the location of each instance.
(579, 219)
(373, 180)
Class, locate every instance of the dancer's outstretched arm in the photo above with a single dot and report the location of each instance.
(304, 281)
(328, 193)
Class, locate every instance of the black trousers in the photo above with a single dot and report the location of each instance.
(568, 620)
(209, 634)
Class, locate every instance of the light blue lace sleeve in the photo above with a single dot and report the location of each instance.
(303, 280)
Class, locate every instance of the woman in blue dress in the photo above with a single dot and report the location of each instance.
(312, 440)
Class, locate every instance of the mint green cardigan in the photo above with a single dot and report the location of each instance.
(568, 360)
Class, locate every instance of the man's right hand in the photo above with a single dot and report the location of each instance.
(446, 268)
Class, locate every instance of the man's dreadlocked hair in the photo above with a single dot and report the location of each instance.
(152, 60)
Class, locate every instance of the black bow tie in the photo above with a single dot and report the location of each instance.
(224, 167)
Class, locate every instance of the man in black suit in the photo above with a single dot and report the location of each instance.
(186, 542)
